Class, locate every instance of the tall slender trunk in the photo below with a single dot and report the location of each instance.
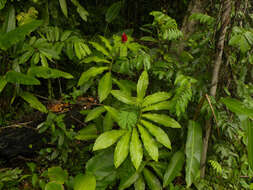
(215, 77)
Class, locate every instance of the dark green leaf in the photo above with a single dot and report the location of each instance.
(152, 181)
(64, 7)
(113, 11)
(20, 78)
(139, 184)
(47, 73)
(95, 113)
(87, 133)
(2, 3)
(3, 83)
(54, 186)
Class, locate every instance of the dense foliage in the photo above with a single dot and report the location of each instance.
(125, 94)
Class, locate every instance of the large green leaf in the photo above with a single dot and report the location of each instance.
(158, 133)
(107, 122)
(248, 126)
(123, 97)
(127, 120)
(107, 139)
(33, 101)
(2, 3)
(106, 42)
(149, 143)
(193, 151)
(122, 149)
(113, 11)
(155, 98)
(12, 37)
(162, 119)
(136, 151)
(95, 59)
(175, 166)
(237, 107)
(139, 184)
(54, 186)
(20, 78)
(152, 181)
(85, 182)
(114, 113)
(92, 72)
(100, 48)
(64, 7)
(57, 174)
(87, 133)
(104, 86)
(47, 73)
(10, 19)
(142, 85)
(3, 83)
(95, 113)
(166, 105)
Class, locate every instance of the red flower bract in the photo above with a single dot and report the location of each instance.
(124, 37)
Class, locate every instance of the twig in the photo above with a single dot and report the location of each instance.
(214, 116)
(18, 125)
(78, 120)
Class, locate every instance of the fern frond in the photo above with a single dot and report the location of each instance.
(216, 166)
(203, 18)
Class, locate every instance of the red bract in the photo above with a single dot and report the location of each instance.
(124, 37)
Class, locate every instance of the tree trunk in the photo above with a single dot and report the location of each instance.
(215, 77)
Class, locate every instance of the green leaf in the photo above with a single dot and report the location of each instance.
(87, 133)
(152, 181)
(248, 126)
(106, 42)
(95, 113)
(136, 151)
(95, 59)
(54, 186)
(100, 48)
(2, 3)
(85, 182)
(123, 50)
(162, 119)
(127, 120)
(10, 19)
(237, 107)
(155, 98)
(193, 151)
(158, 133)
(166, 105)
(107, 122)
(148, 39)
(107, 139)
(139, 184)
(82, 12)
(12, 37)
(65, 35)
(33, 101)
(128, 181)
(175, 166)
(121, 96)
(20, 78)
(149, 143)
(113, 11)
(104, 86)
(114, 113)
(47, 73)
(142, 85)
(92, 72)
(64, 7)
(3, 83)
(57, 174)
(122, 149)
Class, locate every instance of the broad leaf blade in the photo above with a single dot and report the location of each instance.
(64, 7)
(113, 11)
(47, 73)
(155, 98)
(3, 83)
(162, 119)
(2, 3)
(136, 151)
(104, 86)
(20, 78)
(193, 151)
(122, 149)
(166, 105)
(121, 96)
(95, 113)
(114, 113)
(100, 48)
(107, 139)
(139, 184)
(248, 126)
(142, 85)
(149, 143)
(175, 166)
(152, 181)
(54, 186)
(95, 59)
(87, 133)
(158, 133)
(57, 174)
(127, 120)
(85, 182)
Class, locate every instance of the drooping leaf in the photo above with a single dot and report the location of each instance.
(166, 105)
(149, 143)
(12, 37)
(2, 3)
(106, 42)
(47, 73)
(139, 184)
(20, 78)
(155, 98)
(92, 72)
(10, 19)
(248, 126)
(142, 85)
(162, 119)
(104, 86)
(175, 166)
(136, 151)
(127, 120)
(57, 174)
(112, 12)
(87, 133)
(107, 122)
(100, 48)
(33, 101)
(95, 113)
(107, 139)
(114, 113)
(95, 59)
(54, 186)
(126, 183)
(122, 149)
(85, 182)
(3, 83)
(64, 7)
(158, 133)
(193, 151)
(158, 167)
(152, 181)
(121, 96)
(237, 107)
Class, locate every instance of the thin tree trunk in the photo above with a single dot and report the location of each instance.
(215, 77)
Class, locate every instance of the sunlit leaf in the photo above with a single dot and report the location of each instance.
(142, 85)
(95, 113)
(85, 182)
(162, 119)
(20, 78)
(121, 96)
(155, 98)
(136, 151)
(104, 86)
